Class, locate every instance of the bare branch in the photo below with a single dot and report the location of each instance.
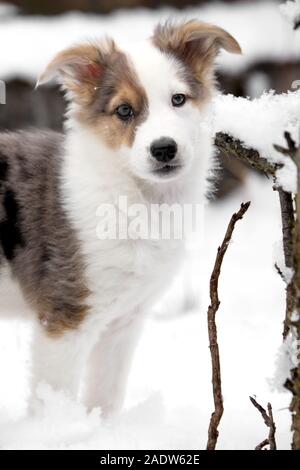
(295, 307)
(262, 444)
(290, 142)
(280, 272)
(216, 416)
(272, 431)
(288, 231)
(282, 150)
(261, 410)
(267, 416)
(287, 220)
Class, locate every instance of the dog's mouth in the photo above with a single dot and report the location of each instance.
(167, 169)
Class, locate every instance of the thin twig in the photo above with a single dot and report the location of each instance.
(280, 272)
(267, 416)
(290, 142)
(272, 430)
(262, 444)
(216, 416)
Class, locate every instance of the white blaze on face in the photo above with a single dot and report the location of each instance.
(159, 75)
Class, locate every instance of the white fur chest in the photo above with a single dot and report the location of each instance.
(122, 274)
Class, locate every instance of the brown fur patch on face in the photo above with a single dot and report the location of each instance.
(196, 45)
(80, 68)
(119, 85)
(99, 78)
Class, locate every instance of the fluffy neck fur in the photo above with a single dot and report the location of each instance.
(90, 166)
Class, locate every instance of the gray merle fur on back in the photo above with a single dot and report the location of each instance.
(37, 241)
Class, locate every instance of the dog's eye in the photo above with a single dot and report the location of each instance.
(124, 112)
(178, 99)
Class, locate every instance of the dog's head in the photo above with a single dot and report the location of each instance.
(145, 101)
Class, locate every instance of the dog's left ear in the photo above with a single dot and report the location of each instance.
(194, 43)
(79, 69)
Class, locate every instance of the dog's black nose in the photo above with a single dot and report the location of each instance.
(163, 149)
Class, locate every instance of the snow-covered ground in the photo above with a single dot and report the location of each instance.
(28, 43)
(169, 397)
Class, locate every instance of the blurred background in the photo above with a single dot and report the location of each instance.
(31, 32)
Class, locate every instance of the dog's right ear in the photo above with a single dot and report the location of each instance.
(195, 43)
(79, 69)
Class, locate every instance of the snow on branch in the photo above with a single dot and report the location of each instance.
(290, 214)
(264, 133)
(259, 124)
(235, 148)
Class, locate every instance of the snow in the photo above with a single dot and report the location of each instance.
(260, 123)
(287, 359)
(295, 316)
(169, 398)
(291, 10)
(30, 42)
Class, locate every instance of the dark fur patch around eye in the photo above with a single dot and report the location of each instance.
(10, 232)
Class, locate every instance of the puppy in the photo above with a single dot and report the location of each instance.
(133, 129)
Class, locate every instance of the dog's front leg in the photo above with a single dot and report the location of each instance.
(109, 364)
(59, 360)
